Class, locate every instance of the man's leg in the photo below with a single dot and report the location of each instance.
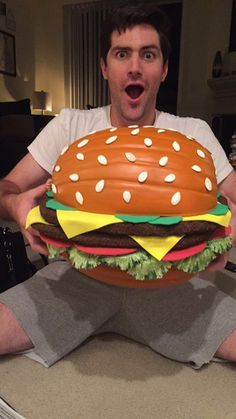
(12, 336)
(192, 322)
(227, 350)
(57, 309)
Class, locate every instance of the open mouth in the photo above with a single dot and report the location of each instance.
(134, 91)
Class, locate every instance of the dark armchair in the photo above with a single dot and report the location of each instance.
(18, 128)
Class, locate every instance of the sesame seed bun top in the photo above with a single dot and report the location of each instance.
(136, 170)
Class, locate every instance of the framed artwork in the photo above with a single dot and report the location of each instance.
(232, 40)
(7, 54)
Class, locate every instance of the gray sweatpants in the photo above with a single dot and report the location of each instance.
(59, 308)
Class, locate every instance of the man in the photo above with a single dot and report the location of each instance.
(58, 308)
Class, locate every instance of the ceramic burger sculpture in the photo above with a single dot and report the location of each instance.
(135, 207)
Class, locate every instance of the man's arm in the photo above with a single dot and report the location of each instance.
(228, 189)
(26, 175)
(228, 186)
(20, 191)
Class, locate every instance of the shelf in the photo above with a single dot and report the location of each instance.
(223, 86)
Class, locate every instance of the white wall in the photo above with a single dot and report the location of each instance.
(205, 29)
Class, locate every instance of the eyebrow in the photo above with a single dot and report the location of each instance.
(151, 46)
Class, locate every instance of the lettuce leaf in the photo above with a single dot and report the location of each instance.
(141, 265)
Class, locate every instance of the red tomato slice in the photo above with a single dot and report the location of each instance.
(221, 232)
(110, 251)
(184, 253)
(106, 251)
(53, 242)
(190, 251)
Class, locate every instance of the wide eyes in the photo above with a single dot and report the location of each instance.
(121, 54)
(146, 55)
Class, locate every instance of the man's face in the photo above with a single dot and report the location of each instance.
(134, 70)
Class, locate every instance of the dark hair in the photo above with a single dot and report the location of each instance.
(132, 14)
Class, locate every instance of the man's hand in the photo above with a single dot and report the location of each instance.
(228, 189)
(19, 205)
(34, 240)
(232, 208)
(219, 263)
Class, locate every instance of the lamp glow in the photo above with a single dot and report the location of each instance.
(42, 101)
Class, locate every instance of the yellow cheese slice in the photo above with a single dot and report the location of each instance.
(158, 247)
(74, 223)
(34, 216)
(222, 220)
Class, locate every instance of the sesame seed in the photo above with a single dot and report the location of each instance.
(130, 157)
(201, 154)
(54, 188)
(163, 161)
(142, 177)
(82, 143)
(208, 184)
(148, 142)
(196, 168)
(170, 178)
(57, 168)
(176, 198)
(79, 198)
(111, 140)
(127, 196)
(64, 149)
(135, 131)
(100, 186)
(160, 130)
(102, 160)
(176, 146)
(74, 177)
(80, 156)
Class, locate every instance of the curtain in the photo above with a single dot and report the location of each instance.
(84, 85)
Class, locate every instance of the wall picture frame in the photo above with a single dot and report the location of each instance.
(232, 39)
(7, 54)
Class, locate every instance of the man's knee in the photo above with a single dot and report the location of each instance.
(12, 336)
(227, 350)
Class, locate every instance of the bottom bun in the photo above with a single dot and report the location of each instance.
(114, 276)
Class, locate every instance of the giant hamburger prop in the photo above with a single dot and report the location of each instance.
(134, 206)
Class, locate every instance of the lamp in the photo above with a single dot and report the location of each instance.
(42, 101)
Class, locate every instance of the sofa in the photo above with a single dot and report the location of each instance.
(18, 127)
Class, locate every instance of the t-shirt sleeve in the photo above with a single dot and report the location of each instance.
(49, 143)
(206, 137)
(63, 130)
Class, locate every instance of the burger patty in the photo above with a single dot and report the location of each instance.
(95, 239)
(141, 229)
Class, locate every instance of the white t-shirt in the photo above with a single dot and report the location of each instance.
(72, 124)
